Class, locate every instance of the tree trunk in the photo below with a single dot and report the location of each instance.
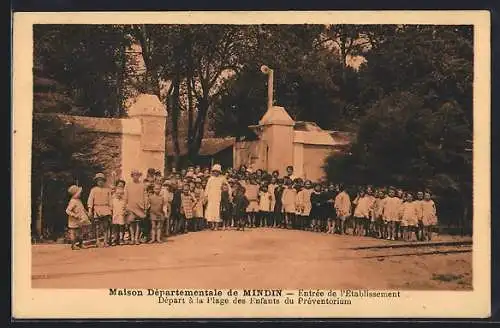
(190, 111)
(199, 128)
(175, 120)
(39, 219)
(464, 224)
(343, 59)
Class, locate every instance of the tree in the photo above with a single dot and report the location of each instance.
(201, 58)
(306, 76)
(416, 88)
(88, 61)
(61, 156)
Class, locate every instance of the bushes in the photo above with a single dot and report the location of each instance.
(61, 156)
(402, 143)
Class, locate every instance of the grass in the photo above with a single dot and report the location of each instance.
(446, 277)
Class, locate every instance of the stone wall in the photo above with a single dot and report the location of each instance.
(108, 151)
(121, 145)
(104, 134)
(314, 157)
(249, 153)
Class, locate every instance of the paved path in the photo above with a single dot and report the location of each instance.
(257, 258)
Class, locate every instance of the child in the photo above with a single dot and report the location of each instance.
(409, 217)
(99, 204)
(397, 229)
(330, 212)
(156, 214)
(271, 187)
(299, 205)
(429, 216)
(370, 222)
(188, 202)
(158, 179)
(197, 171)
(289, 173)
(376, 214)
(265, 203)
(135, 194)
(356, 220)
(198, 207)
(252, 194)
(225, 207)
(362, 213)
(168, 196)
(288, 201)
(118, 209)
(77, 216)
(176, 220)
(420, 223)
(317, 199)
(305, 199)
(343, 209)
(240, 206)
(278, 205)
(120, 184)
(390, 213)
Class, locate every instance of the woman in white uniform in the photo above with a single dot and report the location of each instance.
(213, 195)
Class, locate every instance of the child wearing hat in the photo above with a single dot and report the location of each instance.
(99, 205)
(77, 216)
(136, 196)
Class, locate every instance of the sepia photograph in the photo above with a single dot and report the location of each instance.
(257, 157)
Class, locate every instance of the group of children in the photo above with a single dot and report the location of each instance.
(148, 210)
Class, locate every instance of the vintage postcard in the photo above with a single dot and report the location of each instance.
(251, 164)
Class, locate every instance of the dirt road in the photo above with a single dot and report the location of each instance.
(258, 258)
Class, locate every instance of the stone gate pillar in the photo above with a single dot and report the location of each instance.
(144, 135)
(277, 137)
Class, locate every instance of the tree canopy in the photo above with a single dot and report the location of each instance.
(405, 90)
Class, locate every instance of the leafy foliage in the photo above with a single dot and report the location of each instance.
(61, 156)
(417, 126)
(88, 61)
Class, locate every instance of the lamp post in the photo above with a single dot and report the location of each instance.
(266, 70)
